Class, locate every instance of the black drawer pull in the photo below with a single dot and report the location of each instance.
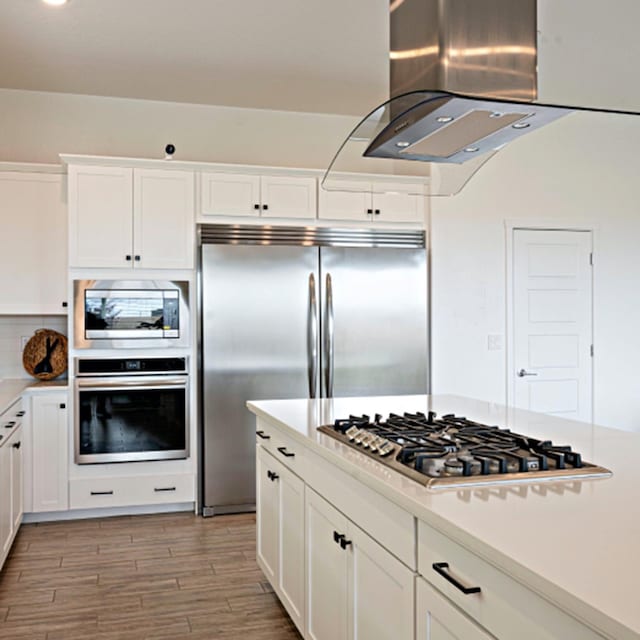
(158, 489)
(102, 493)
(20, 414)
(272, 476)
(337, 537)
(10, 424)
(344, 543)
(440, 567)
(285, 453)
(17, 445)
(263, 435)
(256, 206)
(127, 257)
(63, 405)
(65, 305)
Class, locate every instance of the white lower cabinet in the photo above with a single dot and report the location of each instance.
(10, 490)
(356, 590)
(438, 619)
(280, 532)
(46, 468)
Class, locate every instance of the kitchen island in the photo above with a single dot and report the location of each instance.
(553, 559)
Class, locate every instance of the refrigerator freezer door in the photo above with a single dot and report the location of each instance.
(256, 325)
(374, 312)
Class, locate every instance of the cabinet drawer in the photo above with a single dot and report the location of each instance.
(131, 491)
(284, 449)
(502, 604)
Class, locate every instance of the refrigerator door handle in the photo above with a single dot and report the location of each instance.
(328, 340)
(312, 337)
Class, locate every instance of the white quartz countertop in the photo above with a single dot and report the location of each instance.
(576, 542)
(11, 389)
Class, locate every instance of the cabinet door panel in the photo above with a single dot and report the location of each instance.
(381, 592)
(229, 194)
(163, 221)
(396, 203)
(291, 545)
(327, 567)
(100, 216)
(49, 437)
(34, 234)
(5, 501)
(351, 204)
(438, 619)
(266, 515)
(16, 452)
(288, 197)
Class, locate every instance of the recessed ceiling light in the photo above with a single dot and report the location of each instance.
(521, 125)
(471, 149)
(444, 119)
(402, 144)
(55, 3)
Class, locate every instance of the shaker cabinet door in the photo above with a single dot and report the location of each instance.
(100, 216)
(266, 515)
(229, 194)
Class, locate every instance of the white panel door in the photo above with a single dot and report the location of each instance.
(163, 219)
(17, 501)
(327, 568)
(381, 592)
(288, 197)
(49, 436)
(229, 194)
(552, 320)
(100, 216)
(6, 524)
(437, 619)
(291, 583)
(267, 514)
(354, 203)
(397, 203)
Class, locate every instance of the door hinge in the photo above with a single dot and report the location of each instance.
(591, 351)
(591, 259)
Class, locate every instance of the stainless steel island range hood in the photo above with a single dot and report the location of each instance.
(463, 78)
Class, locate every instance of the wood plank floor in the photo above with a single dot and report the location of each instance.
(139, 577)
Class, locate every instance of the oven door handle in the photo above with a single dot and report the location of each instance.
(110, 383)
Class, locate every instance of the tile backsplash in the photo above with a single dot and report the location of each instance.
(12, 331)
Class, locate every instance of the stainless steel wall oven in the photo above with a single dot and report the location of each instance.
(131, 409)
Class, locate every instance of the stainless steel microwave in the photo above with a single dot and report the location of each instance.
(112, 314)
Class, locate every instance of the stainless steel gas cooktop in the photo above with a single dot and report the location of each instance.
(450, 451)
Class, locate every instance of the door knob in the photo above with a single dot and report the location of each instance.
(522, 373)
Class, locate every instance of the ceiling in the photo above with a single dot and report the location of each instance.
(323, 56)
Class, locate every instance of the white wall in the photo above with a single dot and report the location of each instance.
(36, 127)
(583, 169)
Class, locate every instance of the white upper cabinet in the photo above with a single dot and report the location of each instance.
(232, 194)
(119, 217)
(373, 202)
(163, 219)
(33, 216)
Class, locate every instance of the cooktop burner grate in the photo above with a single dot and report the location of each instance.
(451, 450)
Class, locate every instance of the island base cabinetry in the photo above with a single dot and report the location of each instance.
(356, 590)
(438, 619)
(280, 532)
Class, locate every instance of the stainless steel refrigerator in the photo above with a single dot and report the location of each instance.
(289, 312)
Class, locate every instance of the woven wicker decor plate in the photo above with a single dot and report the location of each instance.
(45, 355)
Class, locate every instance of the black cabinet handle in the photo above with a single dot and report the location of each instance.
(10, 424)
(102, 493)
(272, 476)
(256, 207)
(377, 212)
(440, 567)
(136, 258)
(285, 453)
(17, 445)
(265, 207)
(127, 257)
(263, 435)
(65, 305)
(63, 405)
(20, 414)
(337, 537)
(369, 212)
(344, 543)
(159, 489)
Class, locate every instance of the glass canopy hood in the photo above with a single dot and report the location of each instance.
(432, 142)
